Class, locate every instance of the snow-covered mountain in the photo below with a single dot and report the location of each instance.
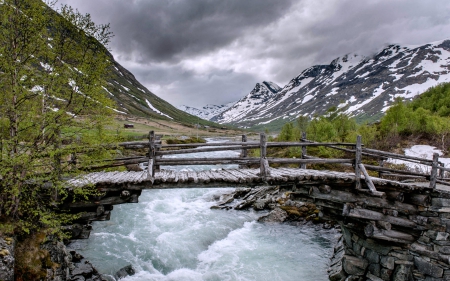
(207, 112)
(363, 87)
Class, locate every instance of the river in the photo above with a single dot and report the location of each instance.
(173, 235)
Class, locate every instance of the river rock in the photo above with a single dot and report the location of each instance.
(277, 215)
(354, 265)
(7, 260)
(124, 272)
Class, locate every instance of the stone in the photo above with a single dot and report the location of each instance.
(401, 256)
(372, 277)
(336, 272)
(375, 269)
(428, 268)
(402, 272)
(354, 265)
(376, 246)
(372, 256)
(277, 215)
(124, 272)
(85, 269)
(386, 274)
(260, 204)
(442, 236)
(387, 262)
(7, 260)
(442, 249)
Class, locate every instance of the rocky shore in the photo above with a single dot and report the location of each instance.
(62, 264)
(276, 200)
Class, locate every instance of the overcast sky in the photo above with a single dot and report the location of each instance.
(198, 52)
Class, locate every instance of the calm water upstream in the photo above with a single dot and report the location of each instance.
(173, 234)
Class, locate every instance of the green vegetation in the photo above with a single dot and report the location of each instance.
(186, 141)
(427, 117)
(52, 70)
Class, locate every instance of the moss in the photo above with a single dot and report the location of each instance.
(31, 260)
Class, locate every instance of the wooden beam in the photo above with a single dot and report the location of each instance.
(370, 215)
(304, 151)
(388, 235)
(434, 170)
(369, 182)
(357, 162)
(264, 164)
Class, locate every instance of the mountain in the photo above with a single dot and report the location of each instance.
(134, 99)
(363, 87)
(207, 112)
(250, 104)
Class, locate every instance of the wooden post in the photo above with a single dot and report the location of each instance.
(358, 156)
(244, 152)
(303, 139)
(381, 163)
(441, 172)
(434, 170)
(151, 154)
(157, 148)
(264, 165)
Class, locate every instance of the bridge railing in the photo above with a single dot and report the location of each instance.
(155, 157)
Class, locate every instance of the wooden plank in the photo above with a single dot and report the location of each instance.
(396, 156)
(192, 176)
(251, 173)
(244, 177)
(207, 149)
(206, 144)
(382, 169)
(277, 175)
(234, 172)
(182, 177)
(214, 176)
(388, 235)
(338, 196)
(202, 177)
(309, 161)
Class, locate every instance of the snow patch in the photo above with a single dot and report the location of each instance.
(156, 110)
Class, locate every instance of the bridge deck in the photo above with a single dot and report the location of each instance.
(229, 177)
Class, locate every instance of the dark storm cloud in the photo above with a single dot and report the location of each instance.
(166, 30)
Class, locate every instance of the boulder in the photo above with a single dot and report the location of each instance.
(124, 272)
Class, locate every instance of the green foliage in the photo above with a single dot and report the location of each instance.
(427, 114)
(53, 68)
(289, 133)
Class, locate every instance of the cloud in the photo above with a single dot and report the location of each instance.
(155, 31)
(212, 51)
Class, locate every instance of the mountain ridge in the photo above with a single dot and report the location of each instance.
(361, 86)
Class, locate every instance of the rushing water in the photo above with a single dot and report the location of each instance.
(173, 234)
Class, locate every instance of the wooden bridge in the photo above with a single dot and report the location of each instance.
(154, 177)
(392, 229)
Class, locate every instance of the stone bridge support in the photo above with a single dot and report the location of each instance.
(403, 236)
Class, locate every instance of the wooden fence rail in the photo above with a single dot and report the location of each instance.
(156, 152)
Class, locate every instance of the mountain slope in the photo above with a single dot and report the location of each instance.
(207, 112)
(363, 87)
(132, 98)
